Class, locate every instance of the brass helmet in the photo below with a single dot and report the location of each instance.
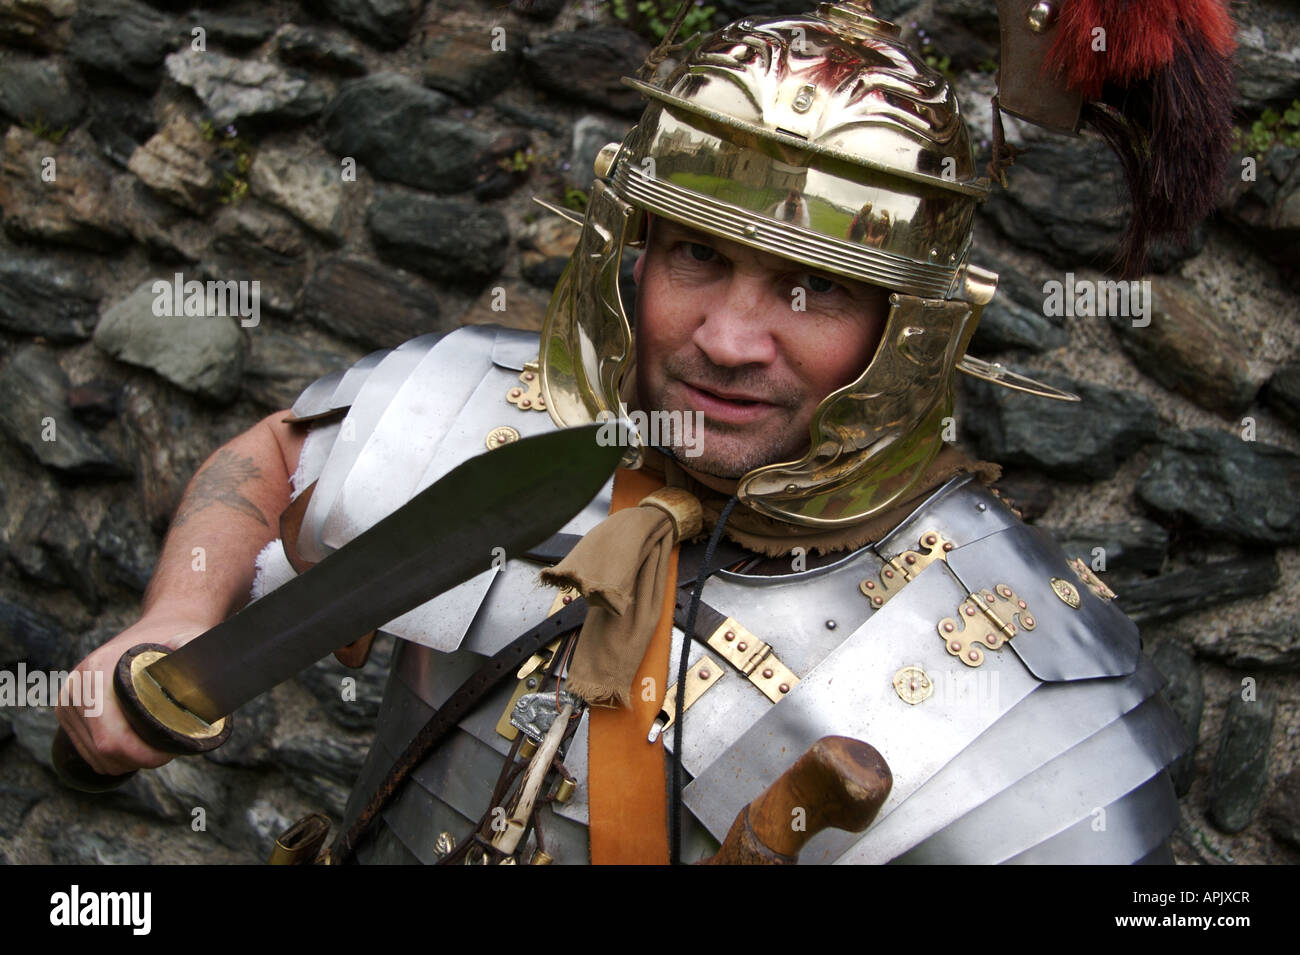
(824, 140)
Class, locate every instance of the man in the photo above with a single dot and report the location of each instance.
(865, 583)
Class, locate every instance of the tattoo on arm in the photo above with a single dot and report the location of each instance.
(218, 483)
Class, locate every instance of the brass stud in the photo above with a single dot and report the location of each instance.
(910, 558)
(954, 646)
(1040, 16)
(877, 600)
(974, 655)
(870, 585)
(930, 539)
(784, 687)
(767, 673)
(729, 635)
(947, 546)
(947, 628)
(705, 673)
(742, 646)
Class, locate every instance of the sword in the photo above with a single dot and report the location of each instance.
(512, 498)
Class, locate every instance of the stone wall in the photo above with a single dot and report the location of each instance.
(369, 163)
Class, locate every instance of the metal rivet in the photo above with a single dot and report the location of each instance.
(705, 674)
(526, 403)
(516, 392)
(742, 645)
(981, 507)
(1029, 621)
(947, 547)
(989, 597)
(751, 231)
(528, 376)
(871, 585)
(1040, 16)
(930, 538)
(889, 574)
(877, 600)
(784, 687)
(974, 654)
(767, 674)
(831, 624)
(567, 598)
(531, 683)
(970, 611)
(947, 628)
(729, 635)
(990, 639)
(954, 646)
(910, 559)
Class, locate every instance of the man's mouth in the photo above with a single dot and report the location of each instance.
(728, 406)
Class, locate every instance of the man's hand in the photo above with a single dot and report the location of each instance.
(106, 740)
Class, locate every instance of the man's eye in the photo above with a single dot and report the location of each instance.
(818, 283)
(700, 252)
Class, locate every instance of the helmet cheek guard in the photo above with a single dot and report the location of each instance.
(825, 141)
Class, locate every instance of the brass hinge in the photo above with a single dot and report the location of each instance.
(896, 573)
(527, 396)
(985, 620)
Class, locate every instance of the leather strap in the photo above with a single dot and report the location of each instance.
(626, 784)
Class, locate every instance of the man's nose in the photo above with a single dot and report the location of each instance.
(735, 328)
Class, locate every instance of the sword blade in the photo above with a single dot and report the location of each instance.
(512, 498)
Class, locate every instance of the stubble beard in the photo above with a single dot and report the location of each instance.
(730, 451)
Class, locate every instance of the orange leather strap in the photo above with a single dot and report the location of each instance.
(627, 790)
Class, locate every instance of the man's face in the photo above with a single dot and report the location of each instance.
(719, 332)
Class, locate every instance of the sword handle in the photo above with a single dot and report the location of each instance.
(156, 718)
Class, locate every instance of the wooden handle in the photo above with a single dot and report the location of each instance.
(839, 783)
(75, 773)
(153, 715)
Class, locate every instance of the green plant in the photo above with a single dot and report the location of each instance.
(37, 127)
(520, 162)
(233, 160)
(652, 18)
(574, 199)
(1272, 128)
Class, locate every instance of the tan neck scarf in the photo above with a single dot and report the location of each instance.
(621, 565)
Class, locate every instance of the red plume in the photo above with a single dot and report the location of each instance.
(1157, 76)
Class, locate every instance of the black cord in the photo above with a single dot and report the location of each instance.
(675, 831)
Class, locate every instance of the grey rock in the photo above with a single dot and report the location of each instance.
(590, 135)
(67, 543)
(123, 38)
(1064, 205)
(1028, 493)
(30, 635)
(446, 239)
(127, 551)
(236, 32)
(94, 403)
(1005, 324)
(173, 791)
(120, 120)
(15, 803)
(531, 118)
(36, 24)
(254, 228)
(57, 193)
(81, 845)
(1136, 545)
(323, 765)
(361, 707)
(392, 126)
(507, 164)
(234, 89)
(168, 232)
(1222, 485)
(176, 164)
(1241, 765)
(1189, 348)
(461, 61)
(39, 297)
(385, 23)
(1282, 812)
(33, 390)
(1185, 693)
(1079, 440)
(1267, 58)
(369, 304)
(319, 49)
(309, 190)
(1186, 591)
(1266, 208)
(537, 9)
(588, 66)
(281, 364)
(1277, 648)
(279, 277)
(1282, 394)
(248, 744)
(964, 31)
(203, 354)
(170, 441)
(39, 92)
(34, 729)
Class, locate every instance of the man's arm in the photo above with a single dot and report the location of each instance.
(229, 512)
